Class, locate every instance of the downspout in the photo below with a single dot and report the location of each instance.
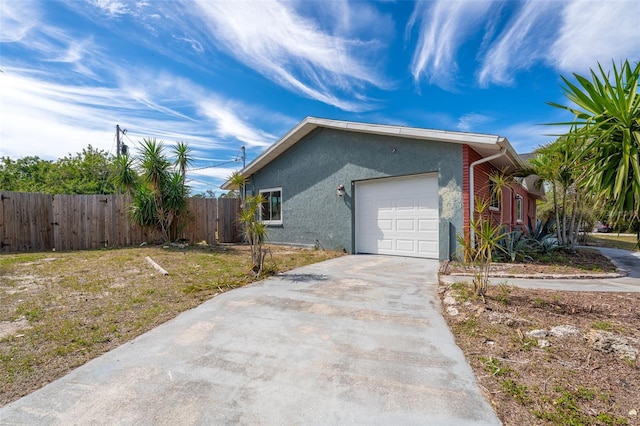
(502, 152)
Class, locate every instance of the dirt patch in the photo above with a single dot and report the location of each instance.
(551, 357)
(7, 328)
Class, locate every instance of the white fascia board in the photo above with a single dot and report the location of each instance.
(410, 132)
(513, 155)
(309, 124)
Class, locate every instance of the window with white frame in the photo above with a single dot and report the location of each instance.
(271, 208)
(494, 199)
(519, 213)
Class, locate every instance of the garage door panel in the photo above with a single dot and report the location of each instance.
(405, 225)
(406, 246)
(385, 224)
(385, 244)
(428, 246)
(398, 216)
(426, 225)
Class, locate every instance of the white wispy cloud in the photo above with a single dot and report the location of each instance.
(527, 136)
(195, 44)
(602, 32)
(17, 19)
(51, 120)
(152, 102)
(228, 124)
(112, 8)
(470, 122)
(443, 26)
(66, 115)
(523, 42)
(292, 50)
(316, 50)
(569, 36)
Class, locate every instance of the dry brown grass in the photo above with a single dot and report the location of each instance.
(569, 382)
(58, 310)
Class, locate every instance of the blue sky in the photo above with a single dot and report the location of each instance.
(224, 74)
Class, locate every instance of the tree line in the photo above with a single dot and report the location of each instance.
(91, 171)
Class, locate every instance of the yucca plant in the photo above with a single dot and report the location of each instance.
(126, 177)
(144, 210)
(254, 231)
(501, 180)
(606, 114)
(183, 160)
(160, 195)
(154, 163)
(174, 203)
(237, 182)
(487, 236)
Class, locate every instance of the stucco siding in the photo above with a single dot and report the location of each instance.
(310, 171)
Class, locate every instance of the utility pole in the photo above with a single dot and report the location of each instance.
(120, 147)
(118, 140)
(244, 160)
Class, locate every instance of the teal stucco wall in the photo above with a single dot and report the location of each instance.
(310, 171)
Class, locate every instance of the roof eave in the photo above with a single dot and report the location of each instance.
(309, 124)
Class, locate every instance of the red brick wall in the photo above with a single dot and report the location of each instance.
(481, 174)
(507, 212)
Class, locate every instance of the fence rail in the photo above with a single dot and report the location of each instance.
(40, 222)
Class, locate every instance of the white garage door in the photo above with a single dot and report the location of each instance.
(398, 216)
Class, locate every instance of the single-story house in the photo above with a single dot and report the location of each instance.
(382, 189)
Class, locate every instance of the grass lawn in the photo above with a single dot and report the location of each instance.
(624, 242)
(58, 310)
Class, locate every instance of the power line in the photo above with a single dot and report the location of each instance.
(240, 155)
(235, 160)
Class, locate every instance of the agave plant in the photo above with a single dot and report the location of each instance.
(516, 246)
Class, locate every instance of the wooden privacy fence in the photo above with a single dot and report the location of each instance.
(38, 222)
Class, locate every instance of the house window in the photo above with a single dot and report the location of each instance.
(519, 208)
(494, 199)
(271, 208)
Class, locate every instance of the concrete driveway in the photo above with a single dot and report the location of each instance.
(358, 339)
